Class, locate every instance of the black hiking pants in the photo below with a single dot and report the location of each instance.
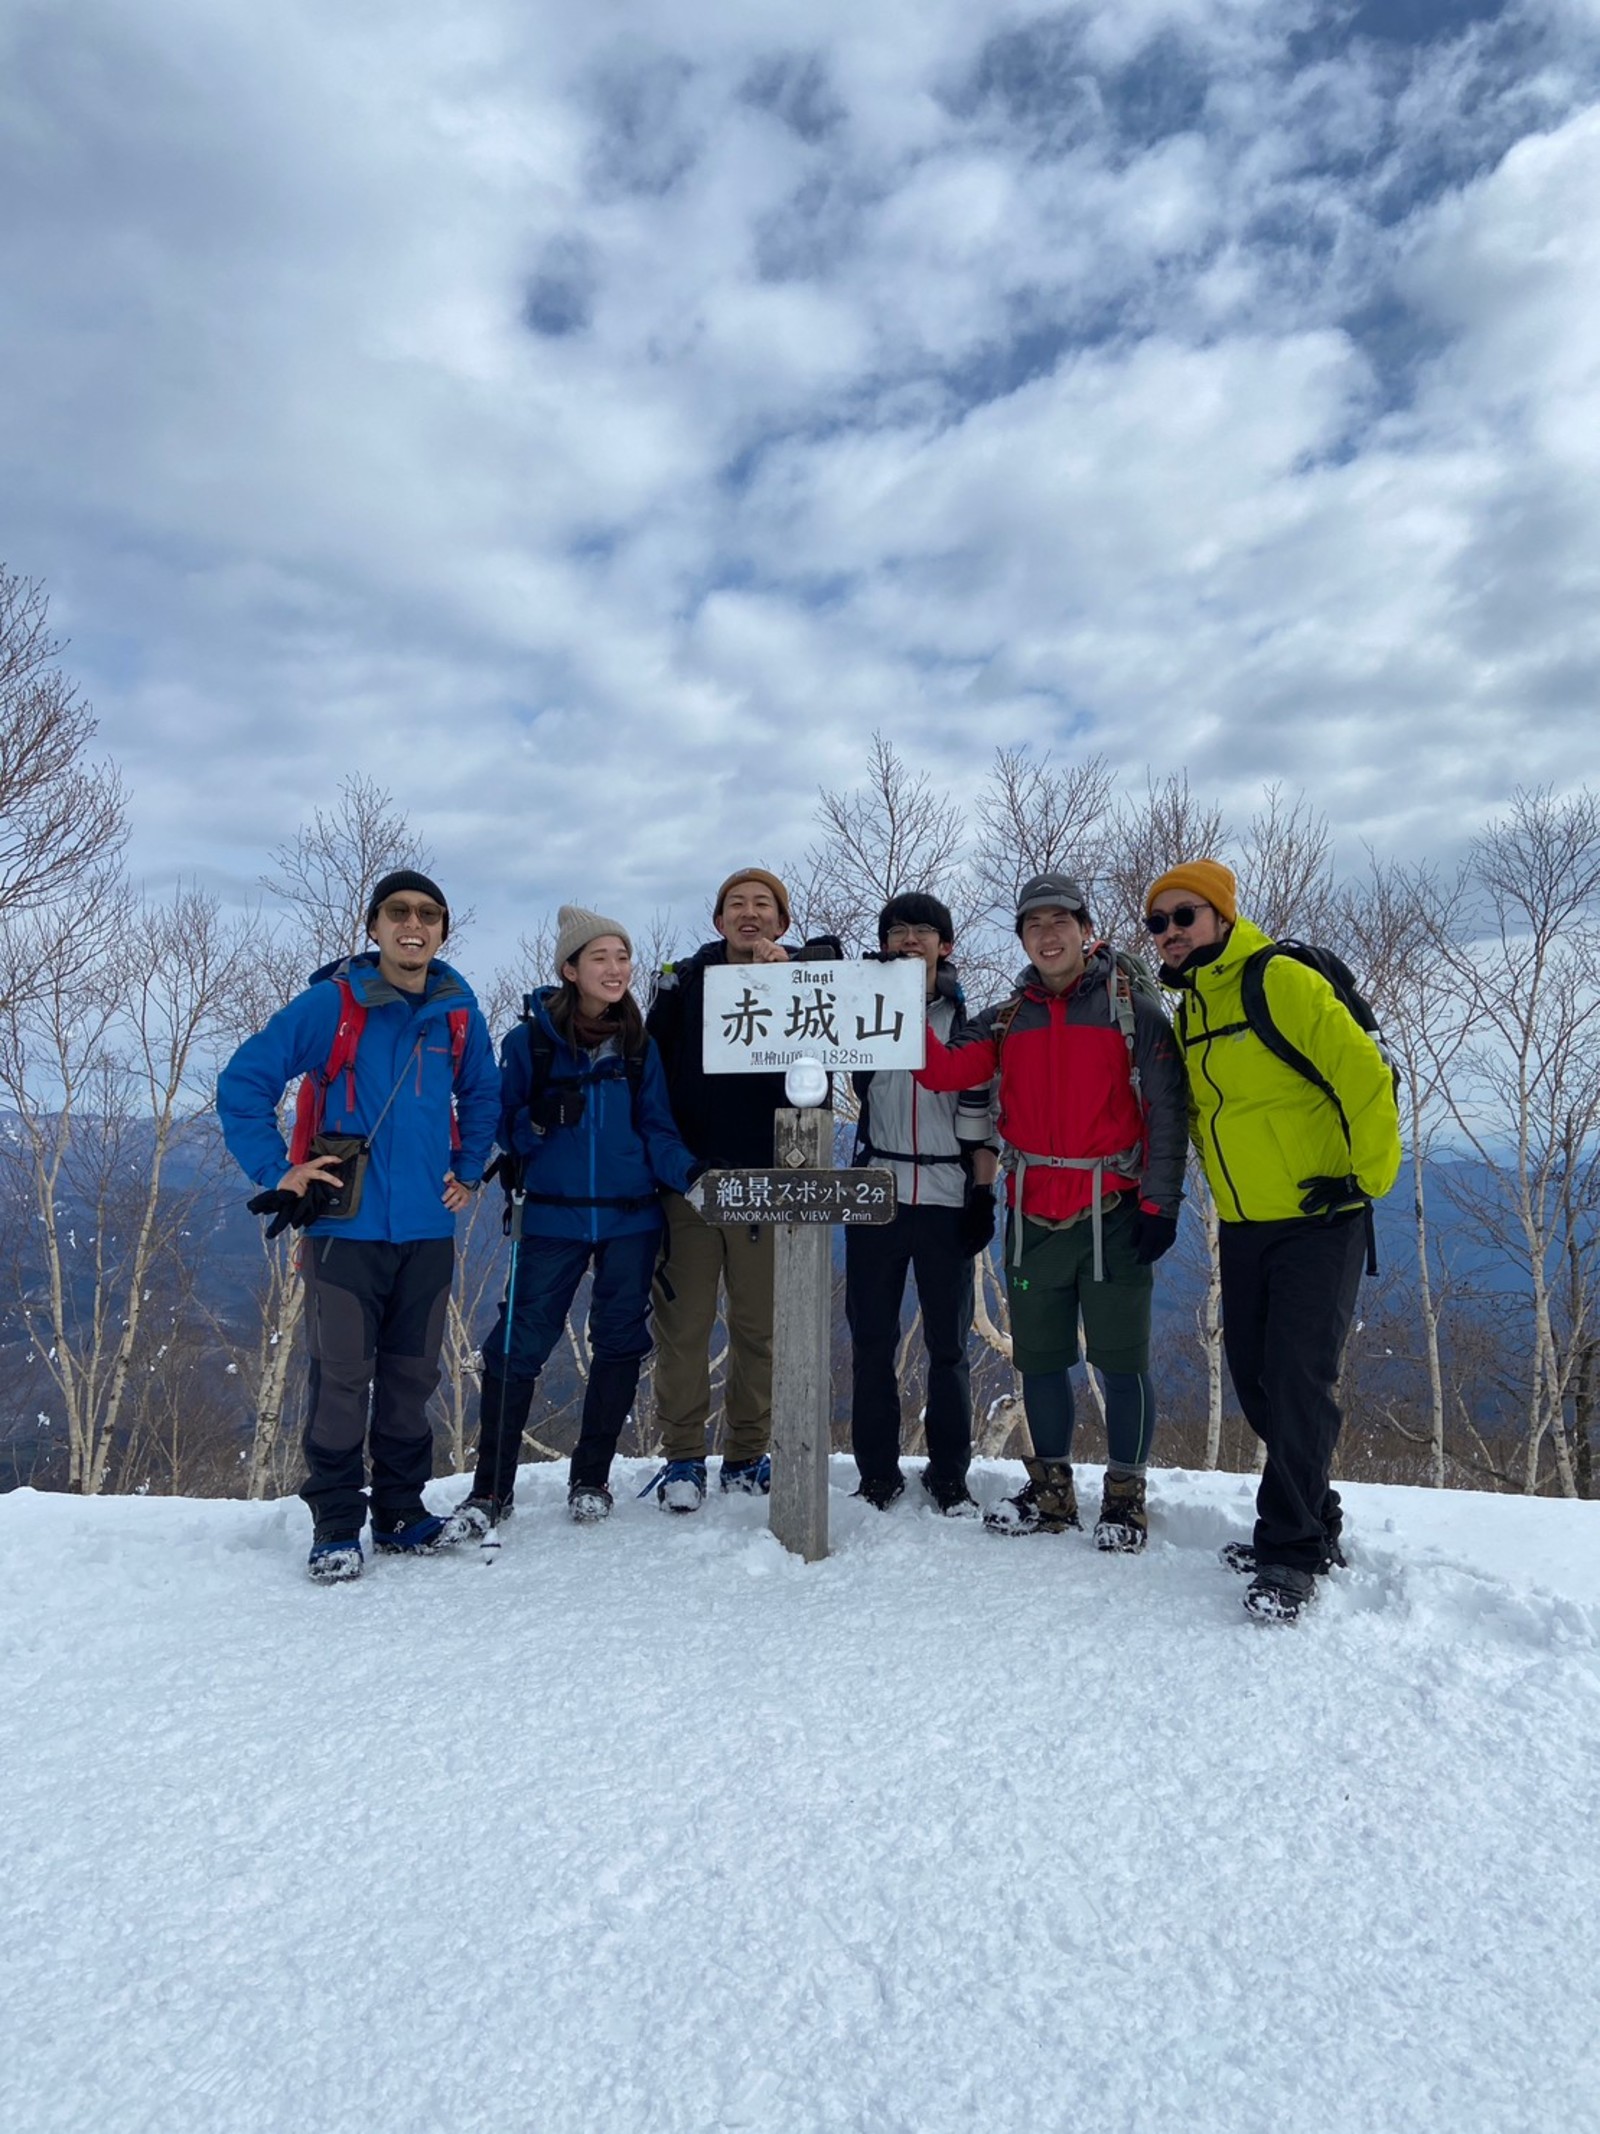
(374, 1322)
(1288, 1296)
(926, 1242)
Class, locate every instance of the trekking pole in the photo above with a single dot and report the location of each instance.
(489, 1546)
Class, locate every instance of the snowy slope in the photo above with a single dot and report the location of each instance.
(651, 1827)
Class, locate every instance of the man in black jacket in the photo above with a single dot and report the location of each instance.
(726, 1120)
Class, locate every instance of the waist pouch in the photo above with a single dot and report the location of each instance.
(350, 1152)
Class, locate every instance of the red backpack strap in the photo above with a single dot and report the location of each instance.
(309, 1100)
(459, 1020)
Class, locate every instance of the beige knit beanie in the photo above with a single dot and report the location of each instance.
(576, 928)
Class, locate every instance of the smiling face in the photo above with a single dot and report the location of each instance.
(1201, 925)
(1055, 939)
(407, 930)
(602, 971)
(749, 916)
(903, 939)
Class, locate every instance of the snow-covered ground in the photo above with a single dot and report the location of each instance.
(649, 1826)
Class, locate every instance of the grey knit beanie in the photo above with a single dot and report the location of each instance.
(576, 928)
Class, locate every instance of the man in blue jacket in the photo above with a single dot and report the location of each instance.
(422, 1091)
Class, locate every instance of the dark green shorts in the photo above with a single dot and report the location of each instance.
(1054, 1283)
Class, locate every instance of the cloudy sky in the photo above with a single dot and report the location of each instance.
(594, 422)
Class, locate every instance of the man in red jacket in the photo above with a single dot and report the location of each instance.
(1092, 1107)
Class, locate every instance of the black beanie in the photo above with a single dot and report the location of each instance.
(914, 907)
(418, 884)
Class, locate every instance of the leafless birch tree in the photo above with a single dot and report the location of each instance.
(104, 1063)
(1528, 1100)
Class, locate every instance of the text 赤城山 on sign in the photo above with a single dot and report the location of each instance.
(765, 1016)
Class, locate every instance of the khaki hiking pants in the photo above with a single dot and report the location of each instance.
(697, 1256)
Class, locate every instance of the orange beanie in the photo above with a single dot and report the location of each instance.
(1208, 880)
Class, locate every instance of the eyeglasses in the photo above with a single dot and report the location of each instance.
(398, 911)
(1180, 915)
(913, 933)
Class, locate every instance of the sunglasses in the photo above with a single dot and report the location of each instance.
(1180, 915)
(397, 911)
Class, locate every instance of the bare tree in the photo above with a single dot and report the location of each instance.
(104, 1064)
(324, 877)
(1399, 915)
(1528, 1100)
(893, 832)
(1162, 828)
(1038, 817)
(60, 818)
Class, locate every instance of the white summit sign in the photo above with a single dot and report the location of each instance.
(765, 1016)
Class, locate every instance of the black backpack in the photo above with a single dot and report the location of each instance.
(1253, 994)
(1253, 998)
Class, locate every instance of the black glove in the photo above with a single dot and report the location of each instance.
(1155, 1235)
(975, 1230)
(290, 1211)
(557, 1104)
(1330, 1196)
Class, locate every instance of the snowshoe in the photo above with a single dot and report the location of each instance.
(950, 1495)
(1122, 1527)
(1279, 1593)
(474, 1519)
(754, 1477)
(880, 1491)
(336, 1561)
(1047, 1503)
(589, 1502)
(680, 1486)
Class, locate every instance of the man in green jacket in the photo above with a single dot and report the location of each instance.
(1293, 1174)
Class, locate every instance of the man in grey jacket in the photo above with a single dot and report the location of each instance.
(943, 1155)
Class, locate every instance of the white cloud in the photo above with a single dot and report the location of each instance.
(593, 426)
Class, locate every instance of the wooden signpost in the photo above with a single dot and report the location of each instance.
(807, 1018)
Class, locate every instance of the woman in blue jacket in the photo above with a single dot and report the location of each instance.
(587, 1128)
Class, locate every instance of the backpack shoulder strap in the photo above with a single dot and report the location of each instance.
(1000, 1029)
(1257, 1013)
(1119, 987)
(312, 1094)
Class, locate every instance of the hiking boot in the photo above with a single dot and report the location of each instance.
(950, 1495)
(1047, 1503)
(473, 1519)
(1240, 1556)
(1279, 1593)
(420, 1535)
(681, 1486)
(1122, 1525)
(335, 1560)
(589, 1502)
(754, 1477)
(880, 1491)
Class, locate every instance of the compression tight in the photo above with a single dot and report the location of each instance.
(1130, 1416)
